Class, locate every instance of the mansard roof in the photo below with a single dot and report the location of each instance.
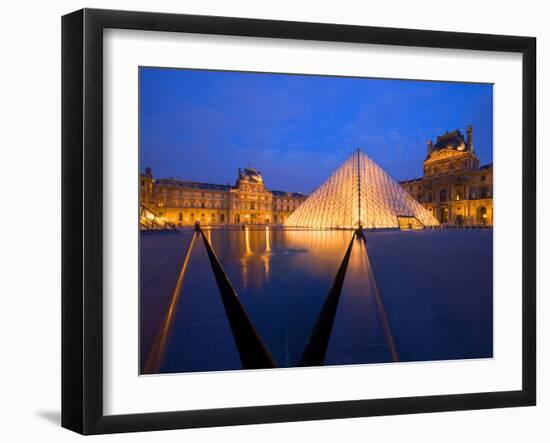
(288, 194)
(450, 140)
(184, 184)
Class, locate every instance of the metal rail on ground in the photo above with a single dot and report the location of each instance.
(390, 342)
(316, 347)
(253, 352)
(156, 354)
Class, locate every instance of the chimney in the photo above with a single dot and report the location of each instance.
(469, 141)
(430, 147)
(148, 172)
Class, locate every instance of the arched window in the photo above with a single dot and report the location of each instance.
(482, 215)
(443, 195)
(443, 215)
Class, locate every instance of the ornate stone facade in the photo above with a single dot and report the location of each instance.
(247, 202)
(454, 188)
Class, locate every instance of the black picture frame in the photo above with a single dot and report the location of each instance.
(82, 218)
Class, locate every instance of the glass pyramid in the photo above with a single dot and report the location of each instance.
(359, 193)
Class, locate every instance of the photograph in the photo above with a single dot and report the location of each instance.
(297, 220)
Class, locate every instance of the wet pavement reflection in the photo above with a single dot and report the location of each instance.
(282, 278)
(392, 306)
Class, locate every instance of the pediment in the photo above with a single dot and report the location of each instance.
(445, 154)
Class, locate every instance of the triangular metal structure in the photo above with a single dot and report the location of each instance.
(360, 194)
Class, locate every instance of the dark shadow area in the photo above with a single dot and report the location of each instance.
(54, 417)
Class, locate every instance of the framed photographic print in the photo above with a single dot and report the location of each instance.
(269, 221)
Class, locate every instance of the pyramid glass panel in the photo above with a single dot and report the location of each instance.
(359, 193)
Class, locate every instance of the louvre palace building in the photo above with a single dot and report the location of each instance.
(454, 187)
(454, 191)
(247, 202)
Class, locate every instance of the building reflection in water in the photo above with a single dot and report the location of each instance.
(266, 255)
(282, 277)
(315, 253)
(245, 258)
(257, 246)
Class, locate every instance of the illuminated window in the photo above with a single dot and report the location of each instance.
(482, 215)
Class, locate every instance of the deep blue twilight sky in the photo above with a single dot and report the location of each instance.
(203, 125)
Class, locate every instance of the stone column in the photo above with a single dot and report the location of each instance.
(451, 199)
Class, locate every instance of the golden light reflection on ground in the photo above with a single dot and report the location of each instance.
(158, 348)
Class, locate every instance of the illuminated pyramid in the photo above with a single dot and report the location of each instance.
(360, 193)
